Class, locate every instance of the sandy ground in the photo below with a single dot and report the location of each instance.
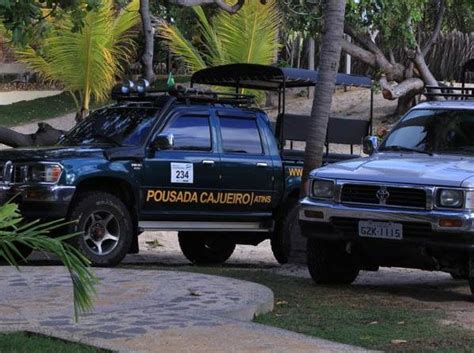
(17, 96)
(429, 290)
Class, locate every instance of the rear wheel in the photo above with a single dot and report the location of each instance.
(105, 226)
(202, 249)
(330, 263)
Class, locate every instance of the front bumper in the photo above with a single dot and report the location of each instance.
(39, 201)
(328, 220)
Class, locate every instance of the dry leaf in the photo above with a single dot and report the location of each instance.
(398, 341)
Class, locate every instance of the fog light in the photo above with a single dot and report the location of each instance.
(450, 223)
(313, 214)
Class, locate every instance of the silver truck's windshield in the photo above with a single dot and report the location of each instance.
(433, 131)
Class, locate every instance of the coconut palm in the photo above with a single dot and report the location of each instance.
(249, 36)
(18, 239)
(87, 62)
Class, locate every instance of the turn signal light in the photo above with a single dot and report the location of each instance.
(450, 223)
(314, 214)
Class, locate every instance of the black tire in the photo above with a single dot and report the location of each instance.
(285, 227)
(202, 249)
(105, 226)
(471, 284)
(329, 262)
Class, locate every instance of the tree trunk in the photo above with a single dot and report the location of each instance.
(330, 55)
(148, 35)
(329, 63)
(46, 135)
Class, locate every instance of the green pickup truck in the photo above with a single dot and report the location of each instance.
(202, 163)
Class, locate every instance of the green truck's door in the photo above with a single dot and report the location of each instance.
(176, 180)
(245, 164)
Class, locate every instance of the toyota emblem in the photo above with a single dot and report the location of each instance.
(382, 194)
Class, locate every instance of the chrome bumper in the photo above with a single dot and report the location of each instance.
(39, 200)
(328, 210)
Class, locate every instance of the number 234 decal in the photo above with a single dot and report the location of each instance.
(182, 173)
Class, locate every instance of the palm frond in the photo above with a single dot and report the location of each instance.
(251, 35)
(214, 53)
(35, 235)
(89, 60)
(180, 46)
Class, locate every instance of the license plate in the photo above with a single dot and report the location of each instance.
(384, 230)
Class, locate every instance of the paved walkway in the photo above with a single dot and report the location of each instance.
(151, 311)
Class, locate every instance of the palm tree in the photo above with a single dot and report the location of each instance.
(329, 63)
(18, 239)
(87, 62)
(249, 36)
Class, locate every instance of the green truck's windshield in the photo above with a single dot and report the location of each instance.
(115, 126)
(433, 131)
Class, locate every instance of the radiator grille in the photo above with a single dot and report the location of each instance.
(381, 195)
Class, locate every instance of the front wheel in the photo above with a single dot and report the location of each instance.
(105, 228)
(330, 263)
(202, 249)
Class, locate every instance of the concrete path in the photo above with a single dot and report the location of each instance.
(18, 96)
(151, 311)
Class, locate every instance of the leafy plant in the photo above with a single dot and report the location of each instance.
(88, 61)
(249, 36)
(17, 239)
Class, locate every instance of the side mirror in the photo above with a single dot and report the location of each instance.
(162, 142)
(370, 144)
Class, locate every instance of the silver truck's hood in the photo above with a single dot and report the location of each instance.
(404, 168)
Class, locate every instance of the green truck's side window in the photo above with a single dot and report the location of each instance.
(191, 133)
(240, 135)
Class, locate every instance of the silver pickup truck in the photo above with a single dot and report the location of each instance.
(409, 204)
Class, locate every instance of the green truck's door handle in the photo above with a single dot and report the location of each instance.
(262, 164)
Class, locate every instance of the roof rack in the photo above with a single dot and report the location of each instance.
(450, 93)
(181, 94)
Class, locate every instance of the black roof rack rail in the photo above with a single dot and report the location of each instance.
(183, 94)
(448, 92)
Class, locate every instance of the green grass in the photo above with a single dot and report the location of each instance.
(353, 315)
(21, 342)
(36, 110)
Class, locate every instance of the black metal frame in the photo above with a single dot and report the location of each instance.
(449, 92)
(186, 95)
(270, 78)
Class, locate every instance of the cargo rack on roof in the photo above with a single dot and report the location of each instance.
(183, 94)
(450, 93)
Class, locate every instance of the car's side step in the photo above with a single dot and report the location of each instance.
(206, 226)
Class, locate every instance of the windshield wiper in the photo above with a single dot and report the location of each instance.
(405, 149)
(106, 138)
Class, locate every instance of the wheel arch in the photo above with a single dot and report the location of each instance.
(118, 187)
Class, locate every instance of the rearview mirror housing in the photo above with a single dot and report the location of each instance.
(370, 144)
(163, 142)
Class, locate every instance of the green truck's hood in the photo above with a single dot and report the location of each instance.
(53, 153)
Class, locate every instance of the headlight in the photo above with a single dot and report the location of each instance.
(36, 173)
(450, 198)
(323, 189)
